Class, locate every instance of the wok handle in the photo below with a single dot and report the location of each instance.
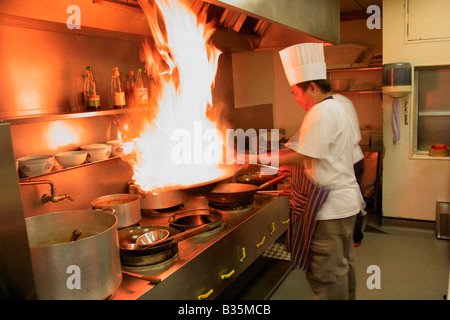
(180, 236)
(273, 181)
(153, 280)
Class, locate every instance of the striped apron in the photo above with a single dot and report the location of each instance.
(306, 200)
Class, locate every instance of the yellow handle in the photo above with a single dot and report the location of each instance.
(285, 221)
(243, 255)
(227, 275)
(259, 244)
(206, 295)
(273, 228)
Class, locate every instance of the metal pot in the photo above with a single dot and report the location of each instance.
(161, 200)
(88, 268)
(126, 206)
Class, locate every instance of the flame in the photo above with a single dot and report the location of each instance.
(182, 65)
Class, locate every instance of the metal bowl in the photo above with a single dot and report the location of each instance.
(153, 236)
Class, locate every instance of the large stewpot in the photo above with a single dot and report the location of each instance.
(88, 268)
(126, 206)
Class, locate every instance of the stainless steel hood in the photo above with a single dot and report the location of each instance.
(280, 23)
(250, 25)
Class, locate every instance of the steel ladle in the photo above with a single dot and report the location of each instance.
(169, 240)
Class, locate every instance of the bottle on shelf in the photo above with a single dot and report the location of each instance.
(141, 91)
(131, 83)
(91, 96)
(117, 90)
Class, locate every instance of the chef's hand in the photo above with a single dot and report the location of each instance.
(284, 170)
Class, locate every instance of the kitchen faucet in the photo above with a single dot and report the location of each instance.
(48, 197)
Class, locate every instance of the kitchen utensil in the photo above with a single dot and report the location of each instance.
(340, 84)
(71, 158)
(97, 151)
(75, 235)
(255, 178)
(161, 200)
(189, 219)
(36, 165)
(172, 239)
(131, 255)
(88, 268)
(153, 280)
(126, 206)
(438, 150)
(229, 193)
(152, 237)
(121, 147)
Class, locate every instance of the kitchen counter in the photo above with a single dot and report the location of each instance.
(208, 263)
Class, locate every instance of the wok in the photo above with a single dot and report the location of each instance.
(229, 193)
(255, 178)
(199, 189)
(146, 256)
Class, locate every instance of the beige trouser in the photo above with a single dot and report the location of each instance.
(332, 273)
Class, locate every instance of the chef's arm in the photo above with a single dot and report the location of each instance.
(289, 157)
(286, 157)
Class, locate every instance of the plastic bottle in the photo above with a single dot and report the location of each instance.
(131, 83)
(141, 91)
(91, 98)
(117, 91)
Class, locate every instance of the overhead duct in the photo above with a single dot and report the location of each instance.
(248, 25)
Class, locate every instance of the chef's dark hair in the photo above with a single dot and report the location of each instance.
(323, 84)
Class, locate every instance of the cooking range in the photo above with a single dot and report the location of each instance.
(204, 264)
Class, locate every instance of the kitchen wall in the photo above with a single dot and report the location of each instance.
(411, 185)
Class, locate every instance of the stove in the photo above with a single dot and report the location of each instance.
(212, 258)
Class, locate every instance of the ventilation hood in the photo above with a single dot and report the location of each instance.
(270, 24)
(250, 25)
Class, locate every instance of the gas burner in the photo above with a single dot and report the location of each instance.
(186, 220)
(153, 269)
(171, 209)
(232, 206)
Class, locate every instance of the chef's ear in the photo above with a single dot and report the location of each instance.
(313, 87)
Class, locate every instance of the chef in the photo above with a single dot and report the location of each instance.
(325, 197)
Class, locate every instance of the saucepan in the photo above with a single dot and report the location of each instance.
(157, 200)
(125, 205)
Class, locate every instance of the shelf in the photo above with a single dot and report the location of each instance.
(66, 116)
(60, 168)
(364, 91)
(355, 69)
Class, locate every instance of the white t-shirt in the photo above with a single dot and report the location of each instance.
(326, 135)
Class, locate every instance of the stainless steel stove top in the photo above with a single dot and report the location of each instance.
(204, 255)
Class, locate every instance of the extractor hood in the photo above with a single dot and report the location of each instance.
(251, 25)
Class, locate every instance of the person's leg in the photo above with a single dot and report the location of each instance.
(331, 274)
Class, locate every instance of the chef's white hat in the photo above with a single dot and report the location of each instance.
(304, 62)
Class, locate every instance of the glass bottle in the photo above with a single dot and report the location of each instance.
(141, 91)
(91, 98)
(117, 91)
(131, 83)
